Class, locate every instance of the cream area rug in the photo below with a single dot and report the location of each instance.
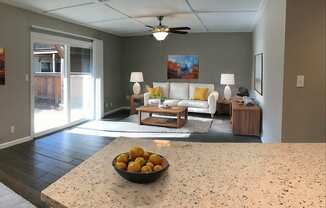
(130, 124)
(9, 199)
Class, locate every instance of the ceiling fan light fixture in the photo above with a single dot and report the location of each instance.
(160, 35)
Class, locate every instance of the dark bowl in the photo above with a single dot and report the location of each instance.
(142, 177)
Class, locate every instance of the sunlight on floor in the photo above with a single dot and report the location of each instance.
(52, 118)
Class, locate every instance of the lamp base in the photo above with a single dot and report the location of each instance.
(136, 88)
(227, 92)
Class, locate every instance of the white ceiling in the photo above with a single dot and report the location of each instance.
(130, 17)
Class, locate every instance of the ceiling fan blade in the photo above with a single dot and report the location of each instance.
(178, 32)
(180, 28)
(150, 26)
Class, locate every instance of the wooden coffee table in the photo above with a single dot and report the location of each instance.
(180, 113)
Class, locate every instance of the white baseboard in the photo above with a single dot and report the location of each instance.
(15, 142)
(116, 110)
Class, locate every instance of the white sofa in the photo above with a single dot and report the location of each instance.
(180, 94)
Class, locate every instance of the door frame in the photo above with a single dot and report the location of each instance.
(97, 74)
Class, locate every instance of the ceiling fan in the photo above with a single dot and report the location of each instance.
(160, 32)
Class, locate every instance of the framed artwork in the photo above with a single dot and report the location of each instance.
(2, 67)
(258, 73)
(183, 67)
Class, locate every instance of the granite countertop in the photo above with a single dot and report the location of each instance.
(201, 175)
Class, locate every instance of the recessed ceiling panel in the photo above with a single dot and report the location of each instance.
(218, 5)
(46, 5)
(121, 27)
(229, 21)
(89, 13)
(138, 8)
(112, 15)
(177, 20)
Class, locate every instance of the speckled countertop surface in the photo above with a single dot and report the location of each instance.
(201, 175)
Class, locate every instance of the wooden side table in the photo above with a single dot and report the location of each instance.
(133, 99)
(246, 120)
(224, 107)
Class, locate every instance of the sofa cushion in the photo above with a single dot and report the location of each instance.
(200, 94)
(154, 92)
(193, 86)
(179, 91)
(171, 102)
(153, 101)
(164, 86)
(193, 103)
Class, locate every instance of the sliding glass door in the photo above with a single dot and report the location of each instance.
(81, 83)
(48, 75)
(62, 82)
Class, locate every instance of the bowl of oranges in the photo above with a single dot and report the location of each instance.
(140, 166)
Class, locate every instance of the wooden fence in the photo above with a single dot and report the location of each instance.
(47, 87)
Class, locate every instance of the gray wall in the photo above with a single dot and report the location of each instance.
(15, 27)
(304, 117)
(218, 53)
(269, 38)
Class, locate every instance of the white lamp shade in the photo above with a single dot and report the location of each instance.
(227, 79)
(160, 35)
(136, 77)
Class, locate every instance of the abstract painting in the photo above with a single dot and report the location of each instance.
(259, 65)
(183, 67)
(2, 67)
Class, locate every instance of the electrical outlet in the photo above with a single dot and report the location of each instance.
(12, 129)
(27, 77)
(300, 81)
(111, 104)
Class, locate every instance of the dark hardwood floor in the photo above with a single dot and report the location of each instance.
(30, 167)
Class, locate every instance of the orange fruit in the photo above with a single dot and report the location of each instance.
(136, 152)
(134, 167)
(155, 159)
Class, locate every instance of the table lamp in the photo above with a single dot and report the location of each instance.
(227, 80)
(136, 77)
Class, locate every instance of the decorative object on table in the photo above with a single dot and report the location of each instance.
(136, 77)
(2, 66)
(140, 166)
(258, 73)
(183, 67)
(243, 92)
(227, 80)
(248, 101)
(160, 32)
(135, 100)
(162, 103)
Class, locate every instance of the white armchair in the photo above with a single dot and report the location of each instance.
(212, 102)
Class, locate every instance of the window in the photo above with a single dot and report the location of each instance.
(46, 67)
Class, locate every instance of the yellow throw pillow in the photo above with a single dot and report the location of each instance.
(200, 94)
(154, 92)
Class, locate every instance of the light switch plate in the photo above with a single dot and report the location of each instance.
(300, 81)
